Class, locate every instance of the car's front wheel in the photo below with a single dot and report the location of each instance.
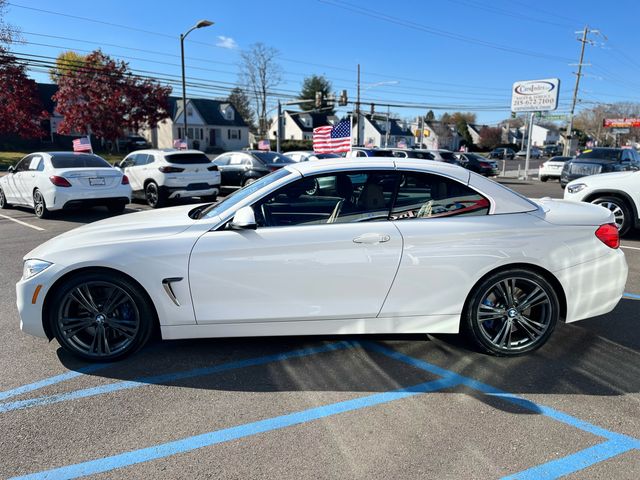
(512, 312)
(100, 316)
(544, 179)
(3, 201)
(620, 211)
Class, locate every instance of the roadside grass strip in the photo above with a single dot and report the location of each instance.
(164, 378)
(616, 443)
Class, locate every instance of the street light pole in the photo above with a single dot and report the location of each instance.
(200, 24)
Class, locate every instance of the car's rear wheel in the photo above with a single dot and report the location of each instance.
(248, 181)
(100, 316)
(512, 312)
(3, 201)
(39, 205)
(154, 196)
(620, 210)
(544, 179)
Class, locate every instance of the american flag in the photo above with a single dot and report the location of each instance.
(402, 144)
(334, 139)
(180, 144)
(264, 145)
(82, 144)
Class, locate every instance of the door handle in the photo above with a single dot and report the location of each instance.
(372, 238)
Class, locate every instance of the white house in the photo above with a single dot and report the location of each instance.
(541, 136)
(373, 131)
(300, 125)
(211, 125)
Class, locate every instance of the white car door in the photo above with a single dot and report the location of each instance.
(15, 181)
(329, 255)
(29, 178)
(133, 165)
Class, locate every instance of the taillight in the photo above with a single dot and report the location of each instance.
(273, 168)
(609, 235)
(213, 168)
(171, 169)
(125, 180)
(484, 164)
(59, 181)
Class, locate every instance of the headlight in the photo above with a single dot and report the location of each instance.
(33, 267)
(578, 187)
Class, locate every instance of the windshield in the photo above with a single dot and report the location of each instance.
(239, 195)
(270, 158)
(602, 154)
(78, 160)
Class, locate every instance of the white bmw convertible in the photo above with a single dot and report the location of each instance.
(330, 247)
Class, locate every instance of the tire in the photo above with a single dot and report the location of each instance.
(39, 205)
(620, 210)
(248, 181)
(116, 208)
(502, 327)
(111, 317)
(154, 196)
(544, 179)
(3, 201)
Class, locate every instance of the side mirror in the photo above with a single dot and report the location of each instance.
(11, 169)
(244, 219)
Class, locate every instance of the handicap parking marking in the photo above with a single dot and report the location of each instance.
(188, 444)
(632, 296)
(616, 443)
(14, 392)
(629, 248)
(168, 377)
(22, 223)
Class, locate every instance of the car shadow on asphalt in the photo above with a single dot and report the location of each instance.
(599, 357)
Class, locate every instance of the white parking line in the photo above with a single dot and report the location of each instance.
(630, 248)
(22, 223)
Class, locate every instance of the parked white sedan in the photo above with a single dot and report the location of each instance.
(385, 246)
(48, 181)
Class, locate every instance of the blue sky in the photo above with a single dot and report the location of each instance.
(460, 54)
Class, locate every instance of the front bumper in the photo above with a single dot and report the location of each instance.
(595, 287)
(30, 305)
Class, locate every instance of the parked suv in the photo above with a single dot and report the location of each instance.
(599, 160)
(162, 175)
(502, 153)
(619, 192)
(242, 168)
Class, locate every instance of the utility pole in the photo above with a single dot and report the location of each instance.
(279, 135)
(568, 135)
(358, 110)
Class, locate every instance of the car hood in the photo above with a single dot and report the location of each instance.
(609, 179)
(132, 226)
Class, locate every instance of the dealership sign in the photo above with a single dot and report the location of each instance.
(535, 95)
(621, 123)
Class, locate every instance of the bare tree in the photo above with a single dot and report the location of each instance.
(260, 73)
(8, 33)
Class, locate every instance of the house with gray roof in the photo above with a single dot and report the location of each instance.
(374, 128)
(211, 125)
(300, 125)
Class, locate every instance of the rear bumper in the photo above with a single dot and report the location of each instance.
(95, 202)
(61, 198)
(594, 287)
(191, 190)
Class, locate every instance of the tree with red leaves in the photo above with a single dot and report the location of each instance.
(105, 99)
(490, 137)
(21, 111)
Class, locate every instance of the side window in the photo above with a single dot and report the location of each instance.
(222, 160)
(150, 159)
(141, 159)
(35, 162)
(129, 161)
(238, 159)
(423, 195)
(23, 165)
(331, 198)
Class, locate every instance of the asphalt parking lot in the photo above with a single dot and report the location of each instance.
(331, 407)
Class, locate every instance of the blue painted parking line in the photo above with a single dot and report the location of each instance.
(168, 377)
(228, 434)
(574, 462)
(616, 444)
(632, 296)
(51, 381)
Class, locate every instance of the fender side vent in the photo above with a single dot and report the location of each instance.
(166, 284)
